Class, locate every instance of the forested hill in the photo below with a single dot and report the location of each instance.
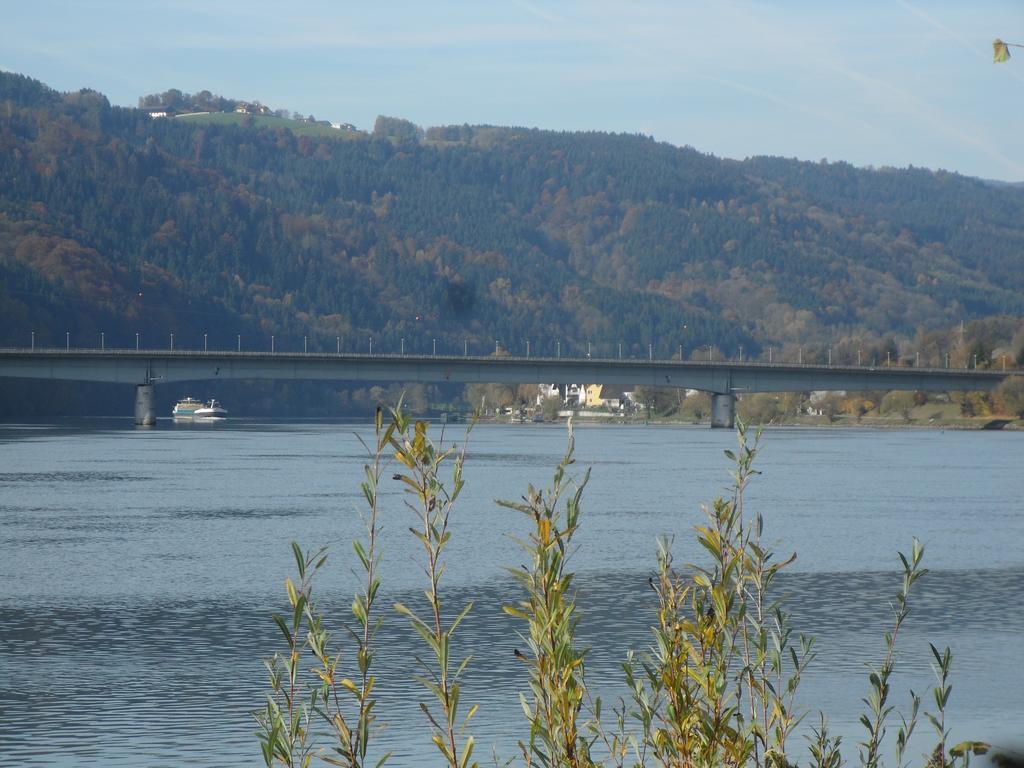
(114, 221)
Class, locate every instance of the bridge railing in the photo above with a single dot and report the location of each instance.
(184, 353)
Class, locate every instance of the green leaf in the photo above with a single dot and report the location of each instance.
(361, 553)
(300, 561)
(460, 617)
(283, 627)
(467, 752)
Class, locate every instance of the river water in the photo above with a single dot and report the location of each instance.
(139, 569)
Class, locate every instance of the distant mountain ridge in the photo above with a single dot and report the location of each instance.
(114, 221)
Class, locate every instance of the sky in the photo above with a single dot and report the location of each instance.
(871, 82)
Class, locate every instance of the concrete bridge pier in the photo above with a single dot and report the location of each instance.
(145, 407)
(723, 410)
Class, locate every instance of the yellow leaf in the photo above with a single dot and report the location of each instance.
(419, 442)
(343, 729)
(544, 527)
(977, 747)
(293, 596)
(1000, 51)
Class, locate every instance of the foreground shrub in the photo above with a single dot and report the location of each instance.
(557, 683)
(717, 687)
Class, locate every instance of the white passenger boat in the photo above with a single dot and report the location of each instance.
(186, 408)
(212, 410)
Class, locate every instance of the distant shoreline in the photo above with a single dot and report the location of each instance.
(981, 423)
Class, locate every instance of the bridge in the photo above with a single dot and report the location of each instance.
(723, 380)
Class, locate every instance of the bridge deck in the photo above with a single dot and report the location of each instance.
(131, 366)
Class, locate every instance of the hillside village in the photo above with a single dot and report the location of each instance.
(605, 401)
(175, 103)
(589, 397)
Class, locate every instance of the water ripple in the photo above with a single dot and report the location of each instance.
(118, 682)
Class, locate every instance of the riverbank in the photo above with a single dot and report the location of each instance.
(928, 418)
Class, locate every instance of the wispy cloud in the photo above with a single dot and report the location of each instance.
(436, 38)
(885, 94)
(931, 118)
(539, 12)
(983, 52)
(718, 41)
(945, 30)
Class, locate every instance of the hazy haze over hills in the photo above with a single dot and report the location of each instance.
(891, 82)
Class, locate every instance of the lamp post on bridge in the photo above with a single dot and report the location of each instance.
(650, 351)
(239, 342)
(136, 341)
(103, 340)
(371, 346)
(67, 340)
(305, 345)
(34, 342)
(403, 345)
(558, 348)
(527, 348)
(338, 339)
(272, 343)
(205, 346)
(172, 341)
(434, 347)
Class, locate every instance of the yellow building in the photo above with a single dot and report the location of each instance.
(601, 396)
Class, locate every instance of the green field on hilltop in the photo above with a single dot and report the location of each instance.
(270, 121)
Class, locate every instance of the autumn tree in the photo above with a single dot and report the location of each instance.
(397, 129)
(659, 401)
(696, 406)
(898, 402)
(760, 408)
(550, 407)
(1010, 396)
(488, 397)
(831, 406)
